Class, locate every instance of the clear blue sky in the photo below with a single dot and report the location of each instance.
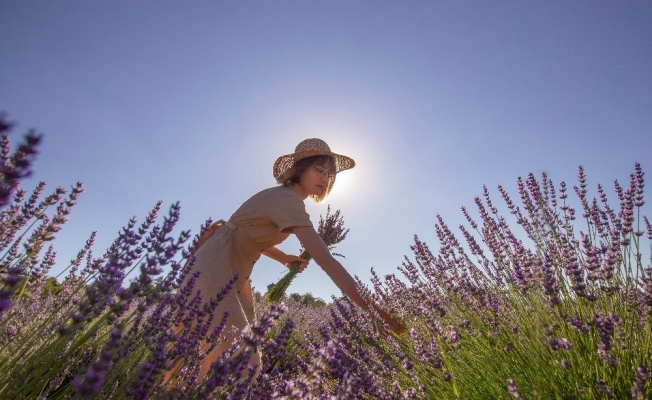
(193, 101)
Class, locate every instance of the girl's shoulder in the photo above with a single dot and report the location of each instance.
(280, 192)
(277, 195)
(281, 204)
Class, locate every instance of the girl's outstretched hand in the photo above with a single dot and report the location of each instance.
(395, 325)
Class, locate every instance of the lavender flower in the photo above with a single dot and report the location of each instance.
(647, 289)
(638, 185)
(577, 324)
(550, 282)
(641, 378)
(604, 388)
(513, 390)
(17, 166)
(559, 344)
(10, 279)
(92, 381)
(605, 326)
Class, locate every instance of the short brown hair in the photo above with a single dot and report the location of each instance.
(292, 175)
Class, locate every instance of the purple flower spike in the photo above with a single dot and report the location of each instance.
(642, 375)
(550, 281)
(15, 167)
(605, 326)
(92, 381)
(5, 304)
(561, 344)
(577, 324)
(513, 390)
(11, 278)
(638, 184)
(604, 388)
(648, 227)
(647, 289)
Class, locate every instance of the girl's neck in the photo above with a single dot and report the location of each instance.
(297, 188)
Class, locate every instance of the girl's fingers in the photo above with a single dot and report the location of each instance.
(398, 330)
(303, 262)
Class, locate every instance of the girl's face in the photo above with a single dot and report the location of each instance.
(314, 180)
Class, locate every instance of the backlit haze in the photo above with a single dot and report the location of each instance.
(193, 101)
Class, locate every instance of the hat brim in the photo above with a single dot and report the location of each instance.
(284, 163)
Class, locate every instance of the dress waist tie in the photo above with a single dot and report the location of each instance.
(210, 231)
(214, 227)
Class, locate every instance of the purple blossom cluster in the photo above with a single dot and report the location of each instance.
(504, 289)
(640, 380)
(605, 326)
(16, 166)
(513, 390)
(560, 306)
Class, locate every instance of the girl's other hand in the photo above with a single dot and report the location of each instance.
(290, 259)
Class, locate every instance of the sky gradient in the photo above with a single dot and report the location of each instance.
(193, 102)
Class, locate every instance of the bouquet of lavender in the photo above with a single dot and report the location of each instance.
(332, 231)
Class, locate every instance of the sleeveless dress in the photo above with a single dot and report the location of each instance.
(258, 224)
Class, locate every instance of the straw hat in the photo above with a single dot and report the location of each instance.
(309, 148)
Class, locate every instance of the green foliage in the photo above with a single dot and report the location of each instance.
(52, 287)
(307, 299)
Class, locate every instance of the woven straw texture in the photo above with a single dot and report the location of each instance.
(309, 148)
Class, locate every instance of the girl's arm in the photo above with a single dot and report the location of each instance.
(285, 259)
(314, 244)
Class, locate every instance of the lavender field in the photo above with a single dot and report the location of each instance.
(544, 297)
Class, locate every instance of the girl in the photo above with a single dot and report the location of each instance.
(263, 221)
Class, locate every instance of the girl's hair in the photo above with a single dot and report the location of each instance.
(292, 175)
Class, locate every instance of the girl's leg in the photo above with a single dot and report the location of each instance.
(247, 300)
(237, 319)
(235, 322)
(170, 377)
(246, 297)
